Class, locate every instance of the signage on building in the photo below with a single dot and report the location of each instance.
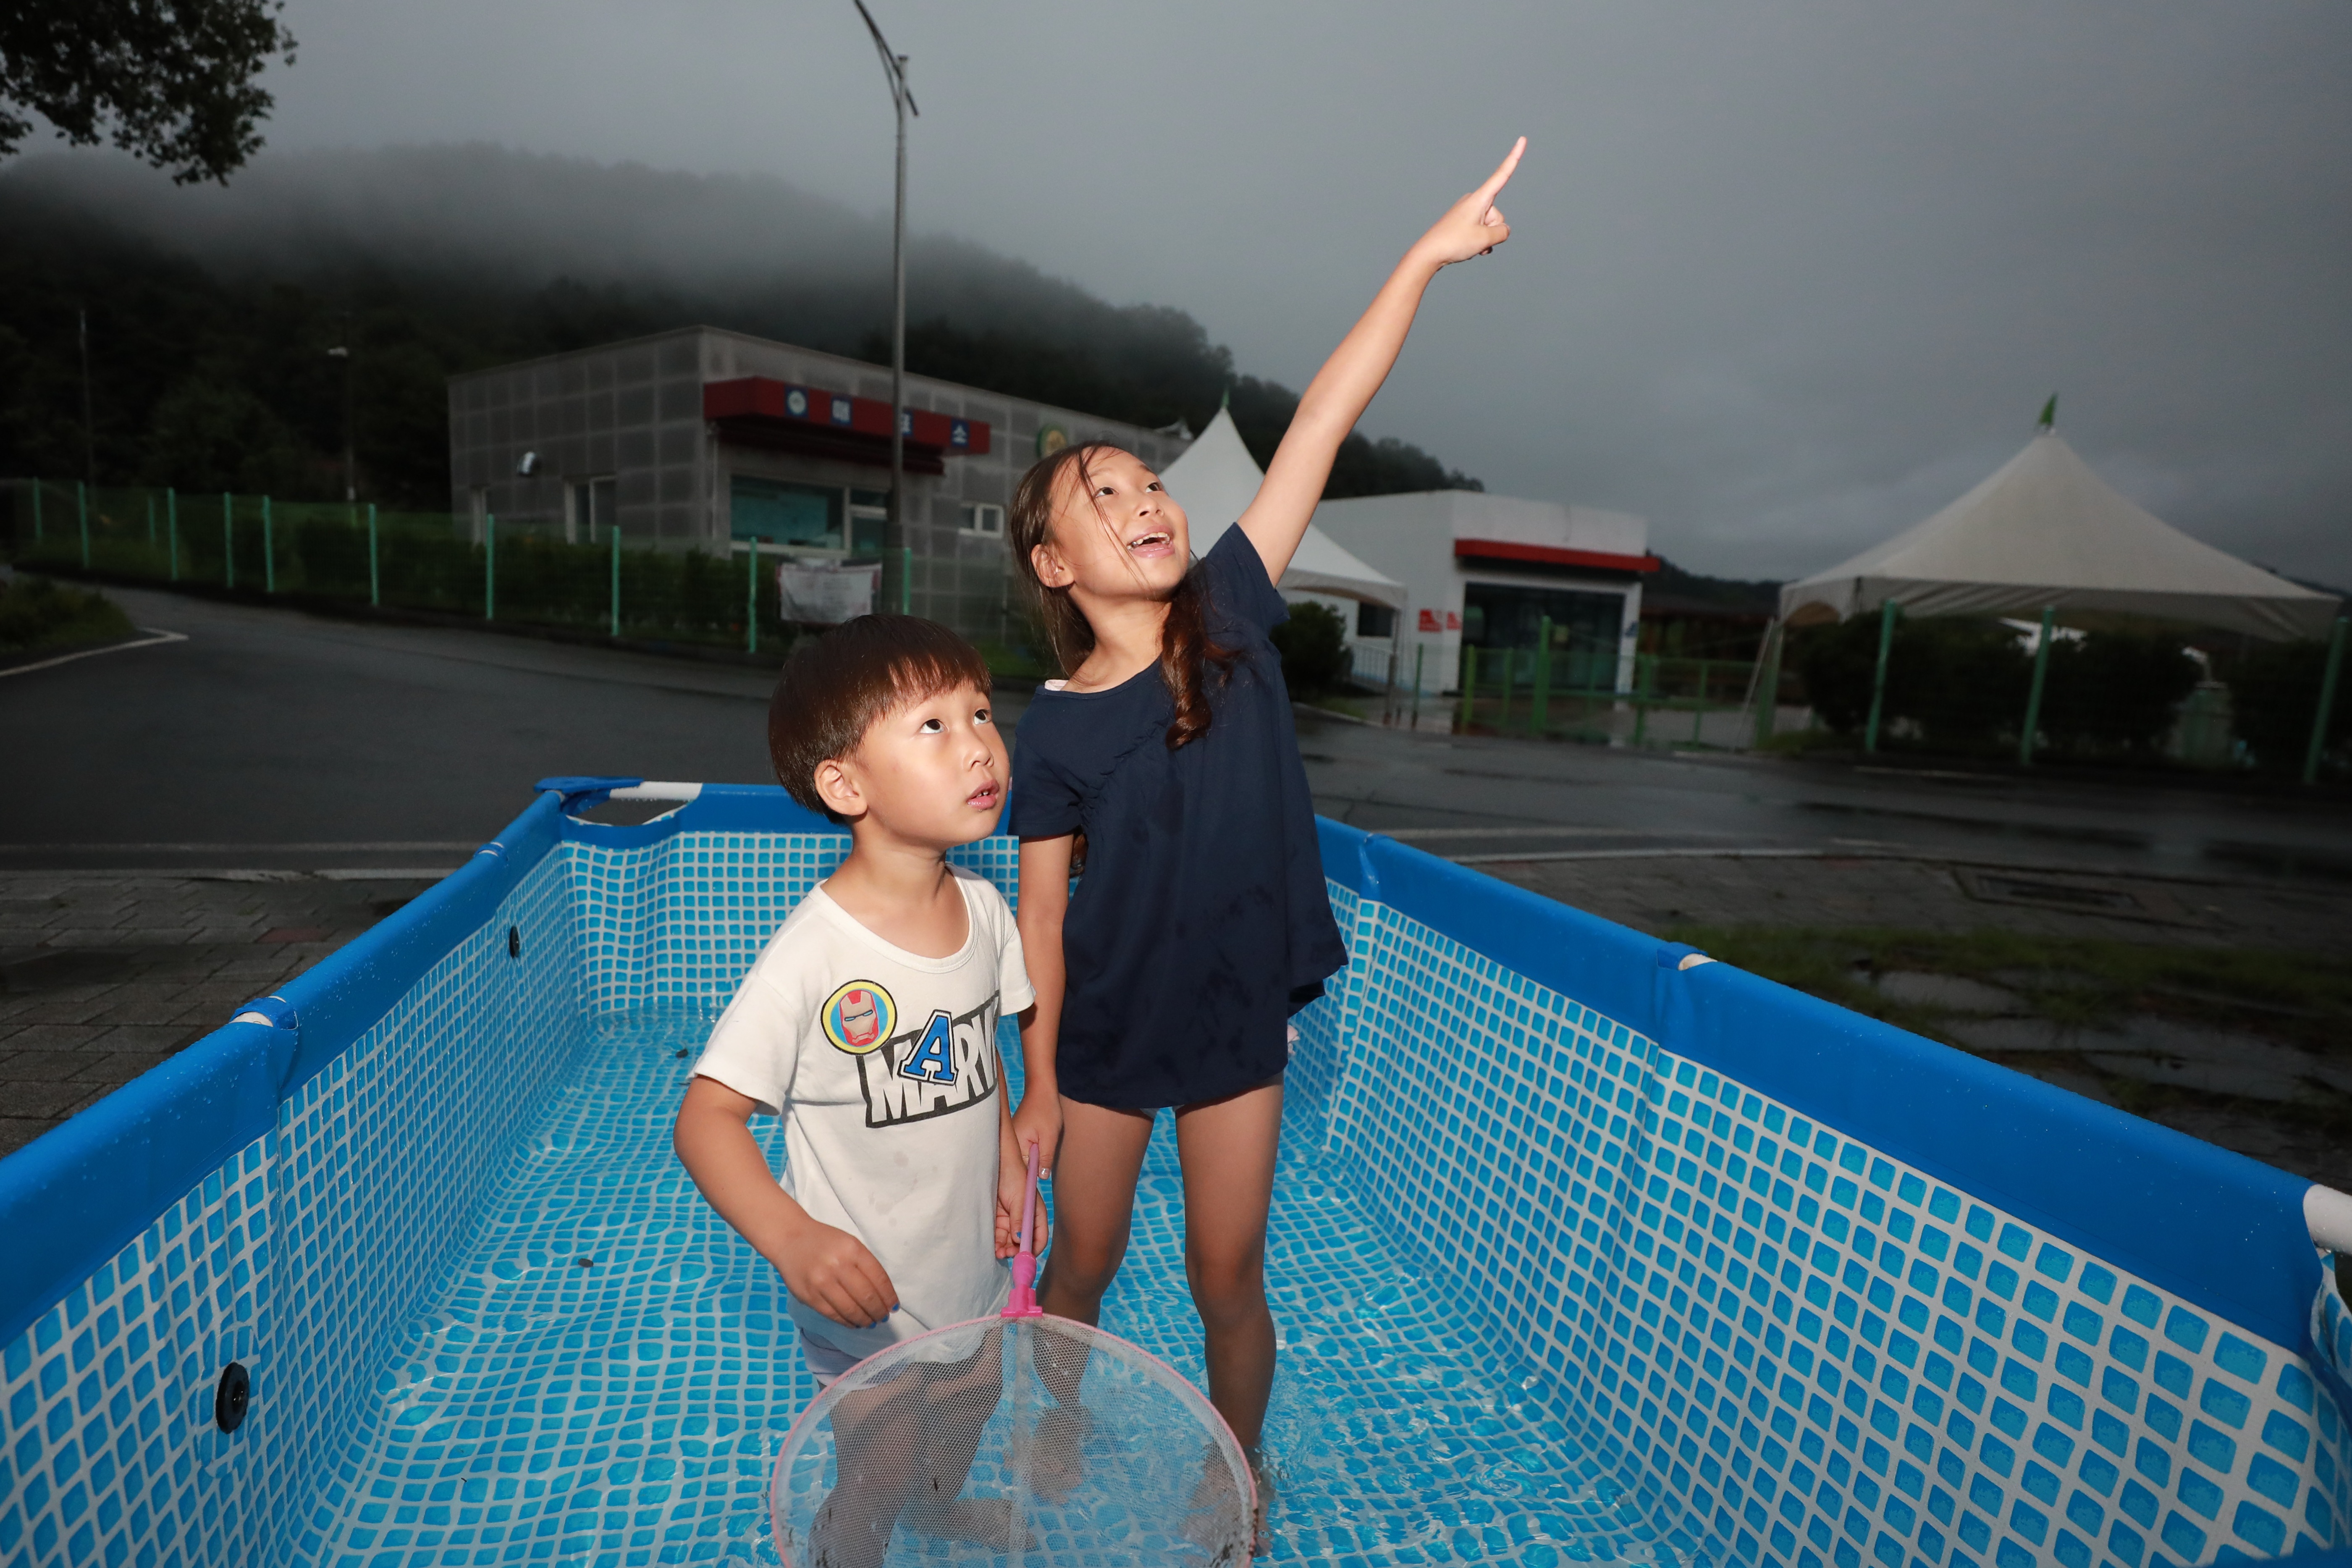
(1052, 439)
(749, 402)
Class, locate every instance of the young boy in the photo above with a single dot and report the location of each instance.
(869, 1024)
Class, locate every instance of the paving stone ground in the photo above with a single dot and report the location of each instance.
(2273, 1101)
(1653, 893)
(104, 975)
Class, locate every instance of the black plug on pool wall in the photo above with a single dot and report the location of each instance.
(229, 1400)
(514, 942)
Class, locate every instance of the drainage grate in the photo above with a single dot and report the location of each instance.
(2081, 895)
(2072, 895)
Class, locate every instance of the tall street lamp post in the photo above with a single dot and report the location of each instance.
(894, 531)
(342, 351)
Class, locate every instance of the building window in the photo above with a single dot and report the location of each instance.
(1375, 620)
(869, 519)
(806, 516)
(591, 507)
(1585, 627)
(982, 519)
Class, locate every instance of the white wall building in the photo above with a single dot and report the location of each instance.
(1215, 480)
(1488, 571)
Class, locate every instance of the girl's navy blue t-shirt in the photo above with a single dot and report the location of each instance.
(1201, 922)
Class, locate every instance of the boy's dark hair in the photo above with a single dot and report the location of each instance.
(836, 685)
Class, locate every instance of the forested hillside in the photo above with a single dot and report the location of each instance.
(210, 314)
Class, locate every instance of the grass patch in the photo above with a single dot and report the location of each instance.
(1804, 743)
(37, 614)
(2301, 998)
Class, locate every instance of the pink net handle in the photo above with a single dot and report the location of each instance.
(1022, 1302)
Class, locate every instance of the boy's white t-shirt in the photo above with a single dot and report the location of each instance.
(884, 1066)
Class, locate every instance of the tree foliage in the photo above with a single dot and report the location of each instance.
(1961, 684)
(2275, 696)
(170, 83)
(2115, 692)
(1314, 647)
(161, 324)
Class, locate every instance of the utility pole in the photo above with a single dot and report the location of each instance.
(894, 531)
(342, 351)
(89, 428)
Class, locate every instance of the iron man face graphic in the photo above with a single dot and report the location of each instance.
(861, 1022)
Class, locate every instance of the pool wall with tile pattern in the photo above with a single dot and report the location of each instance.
(1790, 1287)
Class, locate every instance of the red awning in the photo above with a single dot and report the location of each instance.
(756, 410)
(1552, 555)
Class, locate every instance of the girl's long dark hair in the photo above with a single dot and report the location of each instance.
(1187, 653)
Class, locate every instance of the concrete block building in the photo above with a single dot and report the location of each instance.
(702, 438)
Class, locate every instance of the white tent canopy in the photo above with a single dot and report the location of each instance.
(1215, 480)
(2045, 530)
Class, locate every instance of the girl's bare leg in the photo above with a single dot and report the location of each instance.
(1227, 1147)
(1094, 1206)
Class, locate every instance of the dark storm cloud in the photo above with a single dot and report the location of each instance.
(1786, 277)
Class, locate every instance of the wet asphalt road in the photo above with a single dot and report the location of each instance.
(1482, 797)
(274, 738)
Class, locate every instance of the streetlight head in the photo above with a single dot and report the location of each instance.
(339, 352)
(529, 466)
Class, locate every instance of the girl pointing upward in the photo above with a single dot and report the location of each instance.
(1202, 922)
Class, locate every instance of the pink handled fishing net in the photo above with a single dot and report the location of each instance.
(1020, 1439)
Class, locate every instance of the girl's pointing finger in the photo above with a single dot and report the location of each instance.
(1502, 175)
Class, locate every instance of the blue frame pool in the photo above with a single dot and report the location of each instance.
(1585, 1248)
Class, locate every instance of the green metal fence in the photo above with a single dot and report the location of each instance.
(1567, 687)
(404, 560)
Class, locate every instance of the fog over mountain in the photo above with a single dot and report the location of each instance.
(504, 219)
(1783, 279)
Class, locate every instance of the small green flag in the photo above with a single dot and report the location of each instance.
(2049, 412)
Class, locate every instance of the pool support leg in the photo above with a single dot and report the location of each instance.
(2034, 694)
(1886, 613)
(2326, 709)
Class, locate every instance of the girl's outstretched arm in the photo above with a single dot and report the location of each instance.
(1337, 397)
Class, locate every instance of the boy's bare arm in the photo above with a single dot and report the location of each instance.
(1013, 1186)
(824, 1266)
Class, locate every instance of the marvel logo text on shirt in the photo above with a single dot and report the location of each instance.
(945, 1064)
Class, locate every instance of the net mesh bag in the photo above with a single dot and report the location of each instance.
(1014, 1440)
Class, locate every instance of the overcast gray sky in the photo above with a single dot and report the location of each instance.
(1786, 277)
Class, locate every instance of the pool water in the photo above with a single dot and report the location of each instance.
(605, 1371)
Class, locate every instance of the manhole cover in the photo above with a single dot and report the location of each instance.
(2080, 895)
(2073, 895)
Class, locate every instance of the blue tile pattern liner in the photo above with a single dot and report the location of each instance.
(1547, 1292)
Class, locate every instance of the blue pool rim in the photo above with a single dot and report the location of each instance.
(2220, 1230)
